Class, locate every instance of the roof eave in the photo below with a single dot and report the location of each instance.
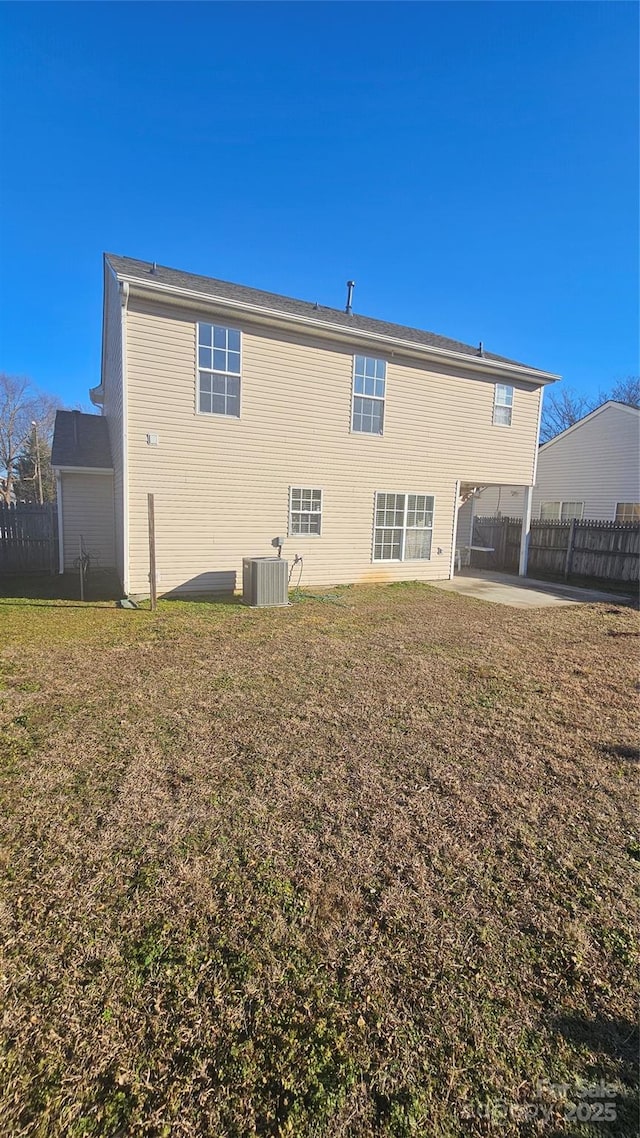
(69, 468)
(290, 319)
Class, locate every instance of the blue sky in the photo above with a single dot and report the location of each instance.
(473, 166)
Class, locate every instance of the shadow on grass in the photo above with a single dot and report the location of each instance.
(100, 585)
(620, 751)
(615, 1042)
(233, 599)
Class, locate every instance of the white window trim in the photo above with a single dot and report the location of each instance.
(623, 521)
(304, 536)
(507, 405)
(218, 414)
(402, 559)
(368, 434)
(561, 502)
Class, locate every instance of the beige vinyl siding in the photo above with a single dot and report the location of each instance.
(87, 513)
(221, 484)
(596, 463)
(112, 379)
(507, 501)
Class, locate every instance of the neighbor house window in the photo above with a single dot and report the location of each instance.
(628, 511)
(369, 379)
(403, 527)
(561, 511)
(218, 370)
(305, 511)
(502, 405)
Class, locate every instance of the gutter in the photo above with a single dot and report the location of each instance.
(82, 469)
(409, 347)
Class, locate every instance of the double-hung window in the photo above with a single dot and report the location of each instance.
(561, 511)
(502, 405)
(369, 381)
(305, 511)
(218, 370)
(627, 511)
(403, 527)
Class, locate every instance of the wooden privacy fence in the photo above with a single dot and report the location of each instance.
(606, 551)
(28, 538)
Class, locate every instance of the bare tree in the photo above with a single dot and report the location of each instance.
(561, 409)
(21, 406)
(626, 391)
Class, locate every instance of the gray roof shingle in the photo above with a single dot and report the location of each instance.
(145, 271)
(81, 440)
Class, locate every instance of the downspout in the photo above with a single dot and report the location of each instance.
(60, 525)
(124, 303)
(454, 531)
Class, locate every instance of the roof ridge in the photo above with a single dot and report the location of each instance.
(294, 306)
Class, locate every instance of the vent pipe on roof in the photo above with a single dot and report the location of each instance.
(154, 267)
(481, 349)
(349, 307)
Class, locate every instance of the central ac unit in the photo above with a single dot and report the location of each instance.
(265, 581)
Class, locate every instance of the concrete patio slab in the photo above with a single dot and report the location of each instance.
(523, 592)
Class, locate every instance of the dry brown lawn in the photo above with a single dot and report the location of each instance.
(359, 867)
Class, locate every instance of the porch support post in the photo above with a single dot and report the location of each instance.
(526, 530)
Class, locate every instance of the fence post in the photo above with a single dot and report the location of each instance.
(568, 558)
(503, 543)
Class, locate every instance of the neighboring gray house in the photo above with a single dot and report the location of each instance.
(81, 459)
(591, 470)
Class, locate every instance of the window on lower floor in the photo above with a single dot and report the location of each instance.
(305, 511)
(561, 511)
(628, 511)
(502, 405)
(218, 370)
(403, 527)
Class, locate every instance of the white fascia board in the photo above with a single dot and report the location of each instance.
(408, 347)
(83, 469)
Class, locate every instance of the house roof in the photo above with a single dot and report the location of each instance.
(587, 418)
(158, 275)
(81, 440)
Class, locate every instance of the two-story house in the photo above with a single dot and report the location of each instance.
(250, 416)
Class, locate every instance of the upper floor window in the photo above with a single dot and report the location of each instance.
(561, 511)
(369, 379)
(218, 370)
(305, 511)
(502, 405)
(627, 511)
(403, 527)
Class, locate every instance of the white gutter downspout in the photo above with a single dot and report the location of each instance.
(124, 303)
(454, 531)
(60, 525)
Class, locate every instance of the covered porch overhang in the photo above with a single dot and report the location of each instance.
(465, 544)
